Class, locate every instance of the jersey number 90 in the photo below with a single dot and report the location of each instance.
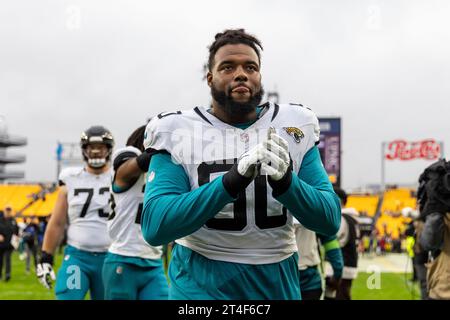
(239, 221)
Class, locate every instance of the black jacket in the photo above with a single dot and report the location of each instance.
(8, 227)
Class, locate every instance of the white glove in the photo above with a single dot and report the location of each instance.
(45, 274)
(277, 158)
(271, 156)
(249, 162)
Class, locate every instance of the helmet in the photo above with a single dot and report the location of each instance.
(96, 135)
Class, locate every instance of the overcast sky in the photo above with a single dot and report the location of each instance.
(383, 66)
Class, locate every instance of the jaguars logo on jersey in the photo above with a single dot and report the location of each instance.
(296, 133)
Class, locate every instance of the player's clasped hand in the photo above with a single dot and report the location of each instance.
(248, 163)
(279, 162)
(270, 157)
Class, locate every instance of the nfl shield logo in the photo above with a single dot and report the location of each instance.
(119, 270)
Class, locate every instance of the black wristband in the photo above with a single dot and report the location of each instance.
(143, 161)
(122, 158)
(234, 182)
(279, 187)
(46, 258)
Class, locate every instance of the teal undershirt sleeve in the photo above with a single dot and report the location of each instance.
(310, 197)
(171, 210)
(333, 254)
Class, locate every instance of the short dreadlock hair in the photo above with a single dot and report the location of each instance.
(136, 139)
(233, 36)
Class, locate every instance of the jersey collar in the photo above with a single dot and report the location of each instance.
(266, 116)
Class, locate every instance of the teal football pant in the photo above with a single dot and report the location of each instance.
(80, 272)
(126, 281)
(311, 283)
(195, 277)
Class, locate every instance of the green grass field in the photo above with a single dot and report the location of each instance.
(392, 286)
(24, 286)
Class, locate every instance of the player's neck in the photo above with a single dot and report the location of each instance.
(97, 170)
(222, 115)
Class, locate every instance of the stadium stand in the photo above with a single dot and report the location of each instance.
(392, 224)
(28, 200)
(385, 210)
(397, 199)
(367, 203)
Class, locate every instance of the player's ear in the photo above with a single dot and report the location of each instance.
(209, 78)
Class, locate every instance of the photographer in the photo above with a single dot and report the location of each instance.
(434, 204)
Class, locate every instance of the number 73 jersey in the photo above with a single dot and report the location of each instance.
(88, 208)
(255, 228)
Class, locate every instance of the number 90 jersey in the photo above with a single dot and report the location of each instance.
(88, 208)
(124, 224)
(255, 228)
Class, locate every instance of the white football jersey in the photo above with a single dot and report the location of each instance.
(307, 245)
(88, 208)
(124, 224)
(256, 228)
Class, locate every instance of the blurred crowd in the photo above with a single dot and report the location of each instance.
(24, 234)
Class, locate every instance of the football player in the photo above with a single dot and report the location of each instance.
(348, 237)
(133, 269)
(82, 204)
(226, 181)
(309, 261)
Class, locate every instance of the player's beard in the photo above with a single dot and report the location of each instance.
(232, 107)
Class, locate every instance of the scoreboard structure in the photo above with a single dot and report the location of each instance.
(330, 148)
